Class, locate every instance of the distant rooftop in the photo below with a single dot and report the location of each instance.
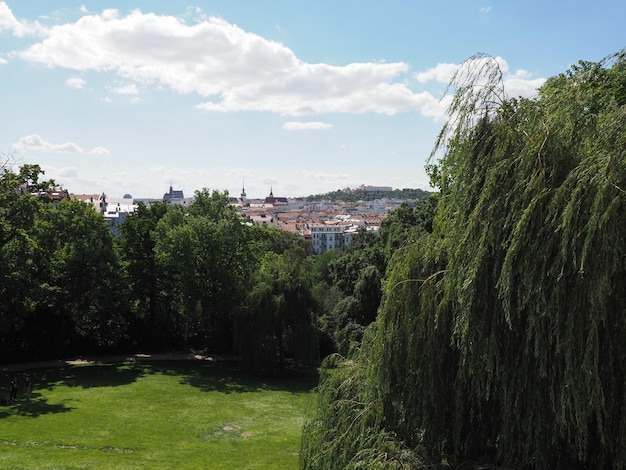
(173, 194)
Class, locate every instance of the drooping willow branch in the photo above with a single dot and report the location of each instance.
(422, 281)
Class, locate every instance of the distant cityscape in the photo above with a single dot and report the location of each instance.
(328, 222)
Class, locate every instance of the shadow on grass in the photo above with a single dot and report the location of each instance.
(225, 382)
(37, 406)
(228, 378)
(207, 377)
(87, 375)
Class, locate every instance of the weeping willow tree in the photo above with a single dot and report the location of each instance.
(348, 432)
(502, 338)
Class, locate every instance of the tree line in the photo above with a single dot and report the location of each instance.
(407, 194)
(176, 278)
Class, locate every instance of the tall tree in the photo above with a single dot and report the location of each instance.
(19, 255)
(531, 196)
(136, 248)
(279, 320)
(497, 342)
(205, 255)
(82, 296)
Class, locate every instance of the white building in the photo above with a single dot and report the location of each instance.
(330, 236)
(117, 209)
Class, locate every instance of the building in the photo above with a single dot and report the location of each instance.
(329, 236)
(271, 200)
(113, 210)
(116, 211)
(52, 195)
(262, 219)
(369, 188)
(175, 197)
(243, 196)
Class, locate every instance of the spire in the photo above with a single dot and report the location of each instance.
(243, 189)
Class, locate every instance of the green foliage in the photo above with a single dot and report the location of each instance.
(278, 322)
(346, 331)
(58, 270)
(362, 195)
(205, 259)
(499, 341)
(213, 205)
(348, 291)
(413, 366)
(344, 271)
(348, 431)
(175, 278)
(348, 282)
(265, 239)
(149, 326)
(17, 208)
(81, 278)
(405, 225)
(531, 196)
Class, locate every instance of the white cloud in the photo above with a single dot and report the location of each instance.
(100, 151)
(75, 82)
(435, 108)
(18, 28)
(3, 61)
(129, 89)
(34, 143)
(519, 83)
(298, 126)
(8, 22)
(308, 89)
(485, 10)
(231, 69)
(526, 88)
(441, 73)
(112, 14)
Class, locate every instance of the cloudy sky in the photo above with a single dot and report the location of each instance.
(304, 97)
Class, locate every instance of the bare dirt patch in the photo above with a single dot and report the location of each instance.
(116, 358)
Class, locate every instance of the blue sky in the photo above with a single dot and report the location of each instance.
(304, 97)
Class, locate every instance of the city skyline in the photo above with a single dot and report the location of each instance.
(304, 98)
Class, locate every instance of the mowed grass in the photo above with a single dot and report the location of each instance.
(154, 415)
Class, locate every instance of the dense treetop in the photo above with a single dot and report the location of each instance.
(357, 195)
(177, 278)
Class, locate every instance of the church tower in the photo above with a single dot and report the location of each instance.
(243, 190)
(102, 204)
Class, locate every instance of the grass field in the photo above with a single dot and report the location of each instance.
(154, 415)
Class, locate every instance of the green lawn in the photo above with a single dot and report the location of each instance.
(155, 415)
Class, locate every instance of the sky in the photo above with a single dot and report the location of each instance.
(297, 97)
